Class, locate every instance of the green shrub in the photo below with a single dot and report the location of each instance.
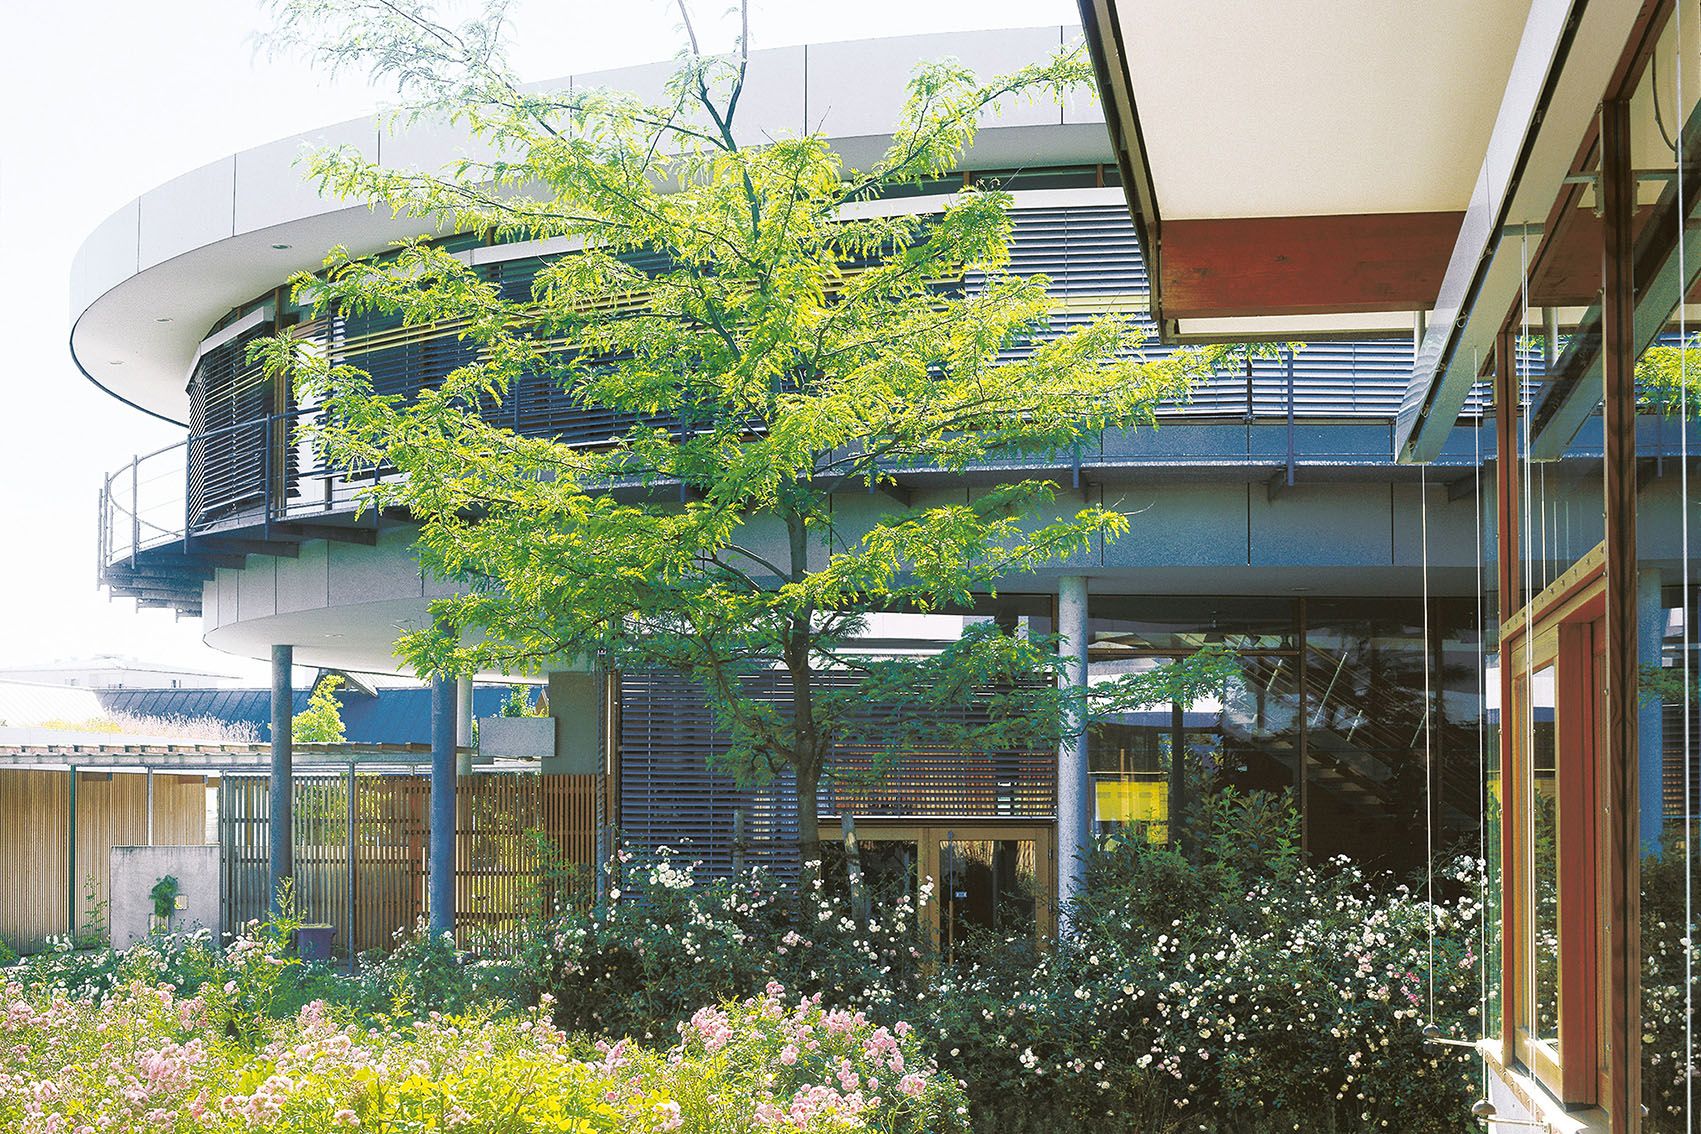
(1234, 988)
(1666, 896)
(638, 966)
(144, 1058)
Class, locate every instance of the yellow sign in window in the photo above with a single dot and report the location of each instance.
(1127, 802)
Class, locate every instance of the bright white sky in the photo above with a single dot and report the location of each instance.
(107, 98)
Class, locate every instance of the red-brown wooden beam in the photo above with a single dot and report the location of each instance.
(1249, 266)
(1578, 851)
(1622, 858)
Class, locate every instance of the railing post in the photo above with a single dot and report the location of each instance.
(188, 481)
(101, 535)
(135, 510)
(71, 856)
(266, 478)
(441, 871)
(281, 813)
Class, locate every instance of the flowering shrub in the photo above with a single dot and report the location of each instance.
(638, 967)
(145, 1059)
(1230, 988)
(1665, 980)
(1233, 989)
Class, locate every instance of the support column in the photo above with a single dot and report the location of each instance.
(1074, 802)
(1650, 742)
(281, 818)
(1622, 802)
(463, 725)
(442, 866)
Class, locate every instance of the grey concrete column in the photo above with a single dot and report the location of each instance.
(464, 725)
(442, 867)
(1650, 738)
(1074, 795)
(281, 818)
(576, 704)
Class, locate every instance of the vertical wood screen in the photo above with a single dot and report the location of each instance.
(45, 891)
(524, 841)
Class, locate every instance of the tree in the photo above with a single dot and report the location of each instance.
(321, 722)
(773, 349)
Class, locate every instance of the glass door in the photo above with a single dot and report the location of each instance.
(987, 881)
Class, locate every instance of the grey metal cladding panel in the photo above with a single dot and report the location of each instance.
(1322, 525)
(1172, 440)
(1178, 525)
(304, 582)
(1361, 442)
(1451, 538)
(258, 581)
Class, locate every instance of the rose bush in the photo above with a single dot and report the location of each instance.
(1234, 987)
(145, 1059)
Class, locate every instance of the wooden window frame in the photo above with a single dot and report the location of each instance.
(1561, 627)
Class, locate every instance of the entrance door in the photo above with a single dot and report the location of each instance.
(988, 878)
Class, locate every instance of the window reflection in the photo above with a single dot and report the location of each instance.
(1184, 623)
(1328, 707)
(989, 890)
(1372, 763)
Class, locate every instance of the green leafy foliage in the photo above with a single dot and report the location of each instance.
(321, 722)
(780, 349)
(1668, 378)
(1232, 987)
(163, 894)
(519, 703)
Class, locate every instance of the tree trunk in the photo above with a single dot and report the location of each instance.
(808, 814)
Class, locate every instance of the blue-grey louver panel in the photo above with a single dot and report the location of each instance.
(671, 796)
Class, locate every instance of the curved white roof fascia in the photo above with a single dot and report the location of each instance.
(152, 278)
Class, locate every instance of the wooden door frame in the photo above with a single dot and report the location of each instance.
(927, 833)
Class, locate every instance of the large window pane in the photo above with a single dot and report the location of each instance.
(1384, 784)
(1544, 854)
(1184, 623)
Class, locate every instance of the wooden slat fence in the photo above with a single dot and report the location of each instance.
(504, 873)
(44, 889)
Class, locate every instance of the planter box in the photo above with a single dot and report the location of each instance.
(525, 738)
(313, 942)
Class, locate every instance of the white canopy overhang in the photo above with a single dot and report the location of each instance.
(1299, 169)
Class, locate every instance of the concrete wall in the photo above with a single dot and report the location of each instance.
(575, 701)
(136, 869)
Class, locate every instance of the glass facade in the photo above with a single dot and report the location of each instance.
(1329, 707)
